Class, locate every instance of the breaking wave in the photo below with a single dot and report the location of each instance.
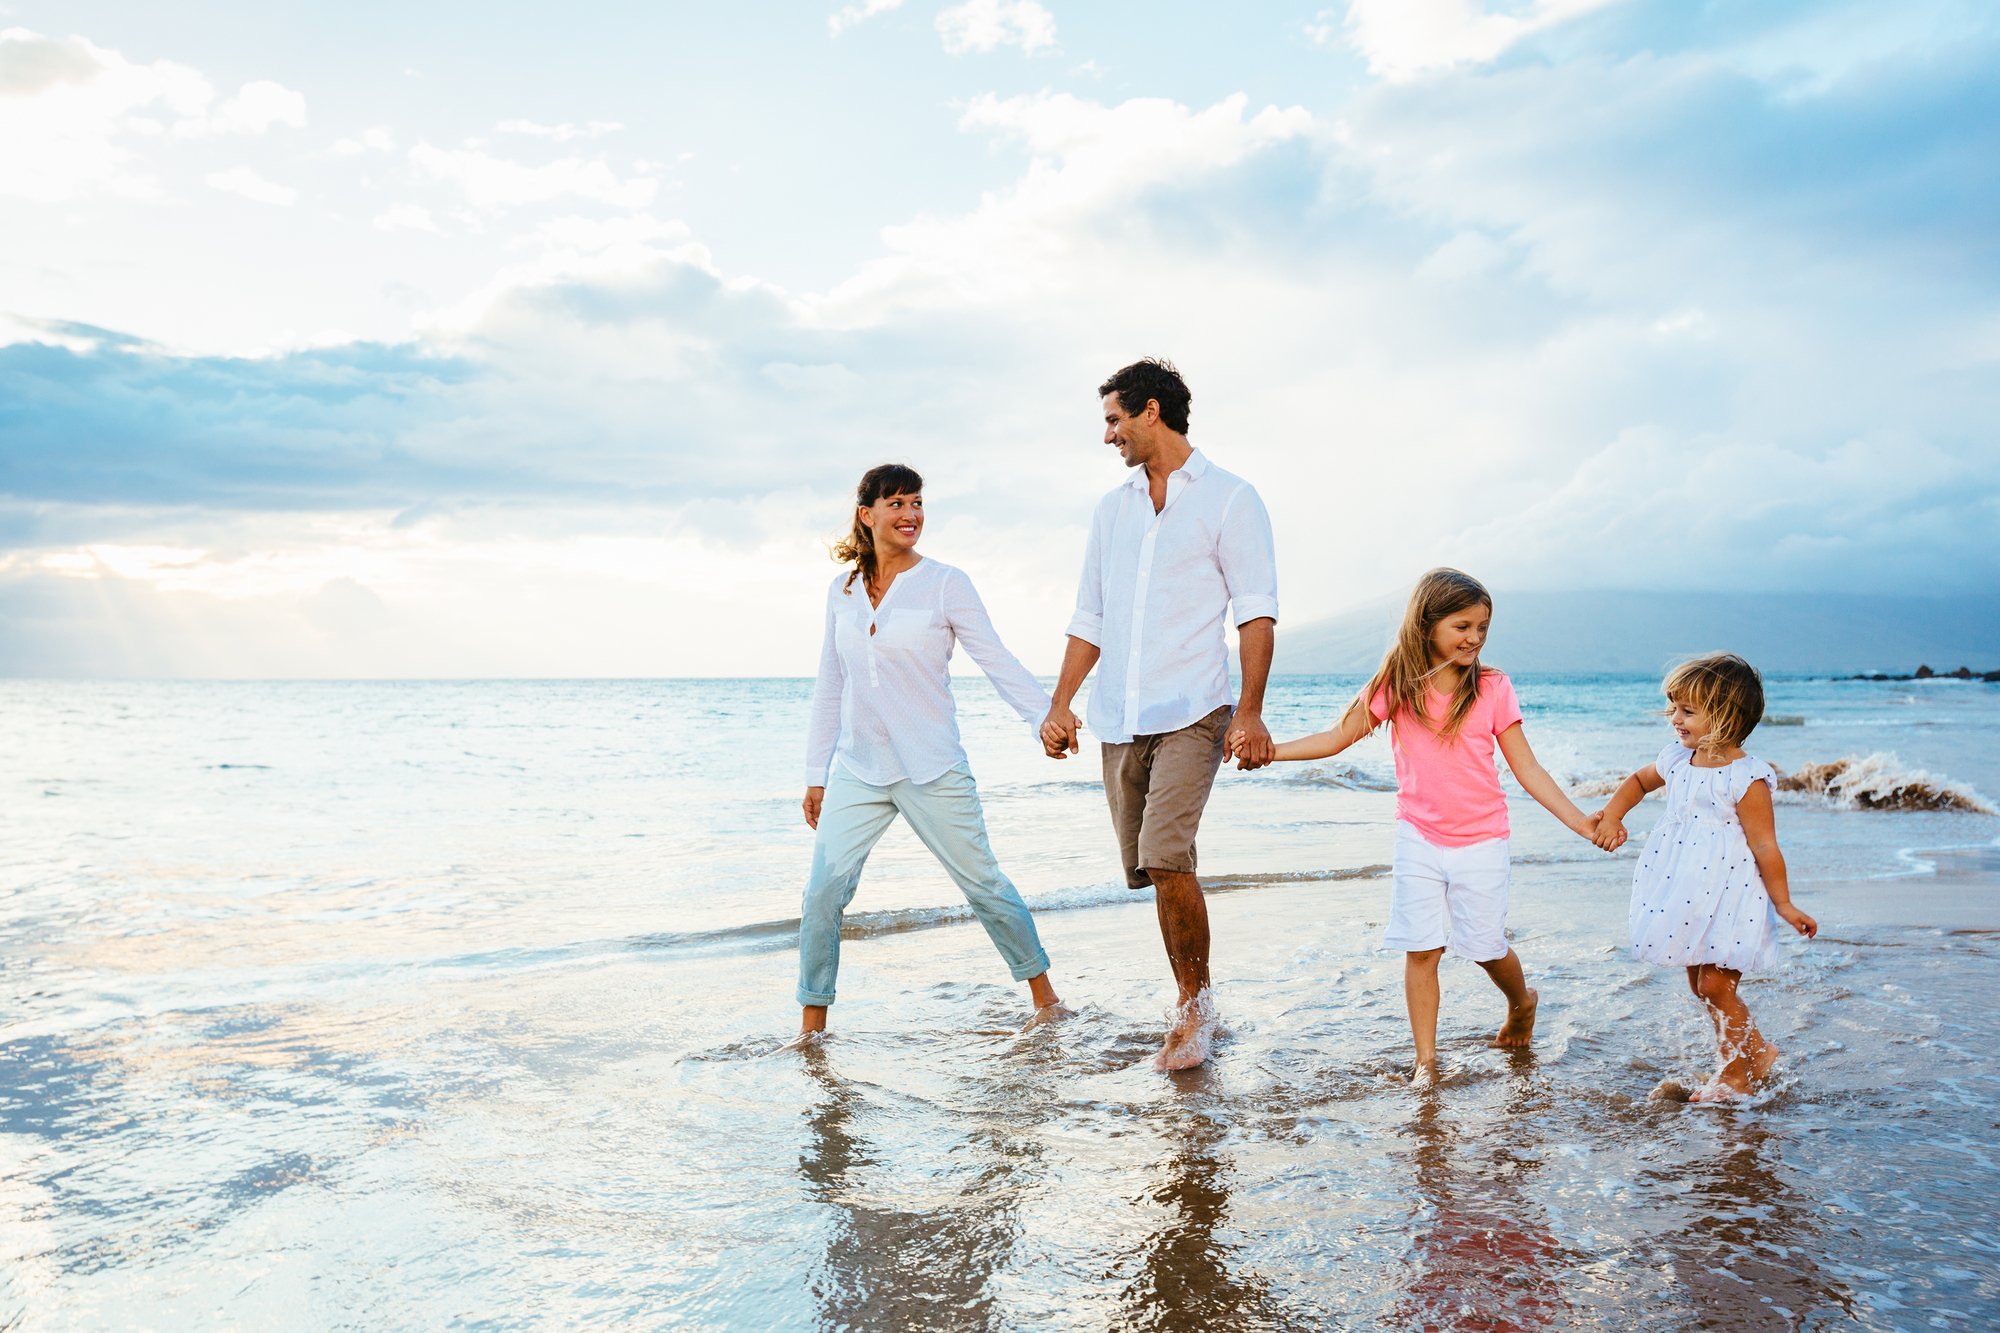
(1878, 781)
(1346, 777)
(1881, 781)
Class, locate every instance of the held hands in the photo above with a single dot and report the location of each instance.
(814, 795)
(1059, 732)
(1248, 742)
(1608, 833)
(1799, 921)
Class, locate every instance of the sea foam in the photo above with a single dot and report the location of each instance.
(1881, 781)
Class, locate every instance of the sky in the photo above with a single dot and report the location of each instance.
(525, 340)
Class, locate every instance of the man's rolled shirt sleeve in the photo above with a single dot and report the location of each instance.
(1248, 555)
(1088, 622)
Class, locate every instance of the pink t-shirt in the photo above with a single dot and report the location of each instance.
(1447, 787)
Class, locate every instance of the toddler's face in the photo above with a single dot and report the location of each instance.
(1689, 721)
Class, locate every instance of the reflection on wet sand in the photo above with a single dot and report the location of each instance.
(1483, 1256)
(1745, 1259)
(889, 1267)
(1188, 1276)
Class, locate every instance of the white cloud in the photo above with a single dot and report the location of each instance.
(495, 183)
(407, 217)
(1088, 159)
(244, 182)
(988, 25)
(850, 15)
(1403, 39)
(563, 133)
(255, 108)
(374, 139)
(67, 106)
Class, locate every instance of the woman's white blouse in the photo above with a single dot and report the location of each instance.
(882, 705)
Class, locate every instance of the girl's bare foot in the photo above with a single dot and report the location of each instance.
(1763, 1061)
(1519, 1029)
(1730, 1083)
(1425, 1075)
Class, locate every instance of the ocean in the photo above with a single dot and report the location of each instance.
(411, 1004)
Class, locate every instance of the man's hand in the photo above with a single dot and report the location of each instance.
(1059, 728)
(811, 804)
(1248, 741)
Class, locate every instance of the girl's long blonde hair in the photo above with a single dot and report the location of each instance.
(1405, 673)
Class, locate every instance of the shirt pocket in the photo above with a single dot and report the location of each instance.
(905, 631)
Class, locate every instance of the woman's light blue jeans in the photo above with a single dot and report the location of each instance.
(945, 814)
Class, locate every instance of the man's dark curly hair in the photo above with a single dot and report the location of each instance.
(1151, 380)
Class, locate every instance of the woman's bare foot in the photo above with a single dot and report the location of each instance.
(1519, 1029)
(1187, 1043)
(1425, 1075)
(1053, 1012)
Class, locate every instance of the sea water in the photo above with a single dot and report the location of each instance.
(404, 1004)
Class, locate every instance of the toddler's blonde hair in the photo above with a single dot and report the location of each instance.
(1725, 687)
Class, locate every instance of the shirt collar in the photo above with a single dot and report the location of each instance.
(1196, 464)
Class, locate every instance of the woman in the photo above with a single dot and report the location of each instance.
(884, 738)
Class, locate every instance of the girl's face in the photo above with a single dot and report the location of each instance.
(897, 521)
(1690, 721)
(1460, 635)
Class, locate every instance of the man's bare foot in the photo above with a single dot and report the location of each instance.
(1425, 1075)
(1188, 1040)
(1519, 1029)
(1054, 1012)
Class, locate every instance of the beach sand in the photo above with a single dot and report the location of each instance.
(613, 1136)
(935, 1169)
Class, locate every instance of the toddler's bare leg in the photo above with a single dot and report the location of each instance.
(1745, 1057)
(1420, 993)
(1518, 1029)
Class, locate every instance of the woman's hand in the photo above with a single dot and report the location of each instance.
(814, 795)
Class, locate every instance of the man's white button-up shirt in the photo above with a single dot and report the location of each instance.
(1154, 592)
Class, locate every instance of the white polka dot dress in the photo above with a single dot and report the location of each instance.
(1697, 896)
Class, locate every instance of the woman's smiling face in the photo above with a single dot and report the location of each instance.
(897, 521)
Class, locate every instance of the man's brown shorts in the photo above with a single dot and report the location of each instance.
(1157, 786)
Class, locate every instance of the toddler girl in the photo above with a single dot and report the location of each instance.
(1446, 712)
(1711, 883)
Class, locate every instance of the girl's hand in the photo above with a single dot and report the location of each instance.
(1799, 921)
(811, 804)
(1610, 833)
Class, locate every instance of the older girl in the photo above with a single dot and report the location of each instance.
(1446, 713)
(884, 737)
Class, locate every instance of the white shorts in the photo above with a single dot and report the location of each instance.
(1449, 896)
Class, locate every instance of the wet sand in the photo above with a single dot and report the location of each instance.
(939, 1171)
(613, 1137)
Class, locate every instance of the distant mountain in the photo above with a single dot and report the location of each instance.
(1645, 631)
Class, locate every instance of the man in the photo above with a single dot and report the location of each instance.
(1174, 549)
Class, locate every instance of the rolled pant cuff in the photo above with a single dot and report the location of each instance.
(1034, 967)
(812, 997)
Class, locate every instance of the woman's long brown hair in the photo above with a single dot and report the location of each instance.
(858, 547)
(1405, 673)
